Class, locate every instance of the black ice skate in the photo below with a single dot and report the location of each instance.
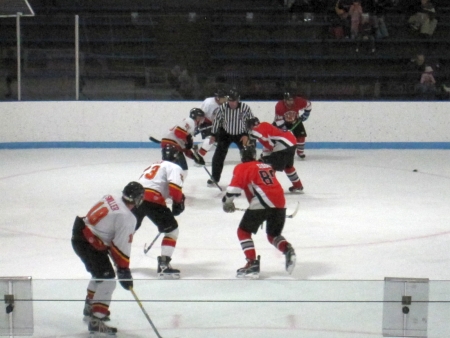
(250, 270)
(289, 253)
(165, 271)
(97, 326)
(87, 312)
(296, 190)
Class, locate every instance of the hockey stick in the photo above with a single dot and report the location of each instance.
(287, 216)
(212, 179)
(146, 249)
(151, 138)
(295, 125)
(295, 211)
(145, 313)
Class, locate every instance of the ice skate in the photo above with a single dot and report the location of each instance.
(250, 270)
(87, 312)
(210, 184)
(97, 326)
(289, 253)
(296, 190)
(165, 271)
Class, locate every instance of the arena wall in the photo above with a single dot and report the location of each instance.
(87, 124)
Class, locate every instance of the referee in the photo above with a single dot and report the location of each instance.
(229, 127)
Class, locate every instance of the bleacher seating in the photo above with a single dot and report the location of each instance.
(244, 42)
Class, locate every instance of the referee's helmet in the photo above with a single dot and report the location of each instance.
(233, 95)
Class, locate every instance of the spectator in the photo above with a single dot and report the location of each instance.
(173, 77)
(427, 85)
(366, 33)
(419, 62)
(341, 27)
(446, 90)
(424, 20)
(379, 11)
(355, 13)
(11, 71)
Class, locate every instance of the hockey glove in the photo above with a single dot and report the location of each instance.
(198, 159)
(228, 204)
(178, 208)
(125, 278)
(189, 142)
(305, 115)
(229, 207)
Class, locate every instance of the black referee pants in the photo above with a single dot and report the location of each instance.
(224, 141)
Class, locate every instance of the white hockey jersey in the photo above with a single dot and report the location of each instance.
(110, 225)
(178, 133)
(210, 107)
(162, 180)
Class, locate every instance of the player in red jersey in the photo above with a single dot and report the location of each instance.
(267, 203)
(290, 113)
(279, 149)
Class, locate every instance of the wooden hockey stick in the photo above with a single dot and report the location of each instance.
(287, 216)
(146, 249)
(145, 313)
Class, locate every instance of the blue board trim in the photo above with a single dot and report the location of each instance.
(309, 145)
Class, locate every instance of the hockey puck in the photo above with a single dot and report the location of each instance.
(415, 170)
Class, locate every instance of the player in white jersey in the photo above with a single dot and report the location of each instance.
(210, 106)
(106, 231)
(181, 136)
(163, 180)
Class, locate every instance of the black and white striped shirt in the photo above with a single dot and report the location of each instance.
(232, 120)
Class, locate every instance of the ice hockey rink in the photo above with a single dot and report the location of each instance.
(365, 215)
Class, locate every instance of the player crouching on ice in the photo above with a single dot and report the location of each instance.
(106, 231)
(163, 180)
(267, 203)
(181, 136)
(279, 149)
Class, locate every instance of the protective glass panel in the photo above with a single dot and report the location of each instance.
(16, 318)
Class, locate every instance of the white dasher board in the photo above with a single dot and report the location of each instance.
(405, 307)
(16, 317)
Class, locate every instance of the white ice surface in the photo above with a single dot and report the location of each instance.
(365, 215)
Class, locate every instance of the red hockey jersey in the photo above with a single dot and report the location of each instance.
(299, 105)
(259, 183)
(273, 138)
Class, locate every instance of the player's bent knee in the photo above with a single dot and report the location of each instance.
(173, 234)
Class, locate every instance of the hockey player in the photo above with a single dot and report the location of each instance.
(278, 149)
(290, 113)
(163, 180)
(210, 106)
(181, 136)
(267, 203)
(106, 231)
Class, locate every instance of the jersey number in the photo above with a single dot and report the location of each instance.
(97, 212)
(152, 173)
(267, 176)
